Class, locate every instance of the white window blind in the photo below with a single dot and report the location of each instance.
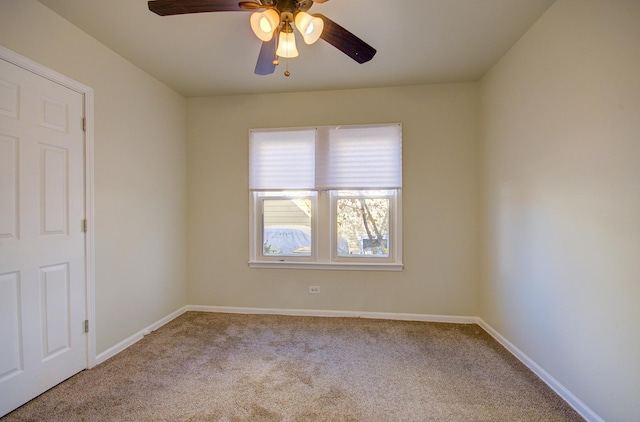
(344, 157)
(360, 157)
(283, 159)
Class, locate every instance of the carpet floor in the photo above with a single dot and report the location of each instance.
(230, 367)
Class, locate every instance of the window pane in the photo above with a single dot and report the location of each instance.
(363, 226)
(287, 227)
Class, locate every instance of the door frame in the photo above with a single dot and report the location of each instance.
(89, 209)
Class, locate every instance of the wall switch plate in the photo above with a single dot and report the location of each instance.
(314, 290)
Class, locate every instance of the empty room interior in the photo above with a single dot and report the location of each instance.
(517, 212)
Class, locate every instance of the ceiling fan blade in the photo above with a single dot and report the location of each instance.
(267, 55)
(180, 7)
(345, 41)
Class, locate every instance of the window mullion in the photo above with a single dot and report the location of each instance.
(323, 227)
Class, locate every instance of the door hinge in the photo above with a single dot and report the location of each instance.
(84, 226)
(86, 325)
(84, 124)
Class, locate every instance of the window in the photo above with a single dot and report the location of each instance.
(326, 197)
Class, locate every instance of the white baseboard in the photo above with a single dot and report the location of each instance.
(112, 351)
(577, 404)
(556, 386)
(336, 314)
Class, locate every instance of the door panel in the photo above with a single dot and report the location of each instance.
(56, 318)
(53, 186)
(10, 327)
(8, 187)
(9, 98)
(42, 245)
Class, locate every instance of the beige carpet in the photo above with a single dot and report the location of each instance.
(227, 367)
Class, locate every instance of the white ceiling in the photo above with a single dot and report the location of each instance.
(418, 42)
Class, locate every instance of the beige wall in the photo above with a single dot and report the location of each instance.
(140, 170)
(561, 193)
(440, 194)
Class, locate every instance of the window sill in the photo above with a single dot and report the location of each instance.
(340, 266)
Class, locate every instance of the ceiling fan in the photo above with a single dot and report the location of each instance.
(273, 22)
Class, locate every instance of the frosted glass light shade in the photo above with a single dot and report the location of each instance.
(287, 45)
(309, 26)
(264, 23)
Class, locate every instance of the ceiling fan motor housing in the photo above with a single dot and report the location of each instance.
(292, 6)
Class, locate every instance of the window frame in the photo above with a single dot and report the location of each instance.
(324, 253)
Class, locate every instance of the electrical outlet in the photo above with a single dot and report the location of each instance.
(314, 290)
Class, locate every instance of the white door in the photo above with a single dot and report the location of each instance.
(42, 262)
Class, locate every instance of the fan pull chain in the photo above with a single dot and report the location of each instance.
(286, 72)
(286, 61)
(275, 59)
